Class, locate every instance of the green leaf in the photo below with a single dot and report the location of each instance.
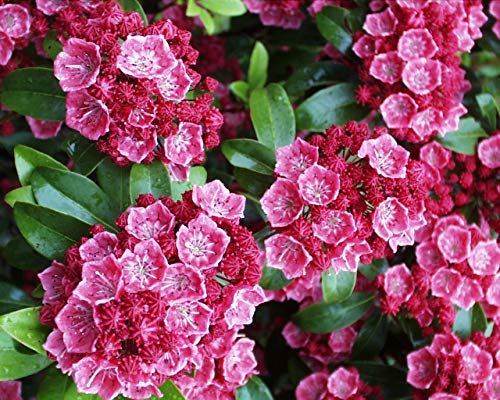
(23, 194)
(272, 116)
(13, 298)
(114, 180)
(249, 154)
(149, 178)
(371, 271)
(73, 194)
(134, 6)
(337, 287)
(49, 232)
(73, 394)
(84, 154)
(327, 317)
(273, 279)
(34, 92)
(19, 254)
(51, 45)
(54, 385)
(464, 140)
(170, 391)
(391, 379)
(17, 361)
(371, 338)
(240, 89)
(489, 109)
(25, 327)
(197, 176)
(255, 389)
(252, 182)
(257, 70)
(333, 105)
(333, 31)
(317, 74)
(468, 321)
(27, 159)
(230, 8)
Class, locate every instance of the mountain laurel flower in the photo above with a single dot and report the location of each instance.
(489, 151)
(217, 201)
(318, 185)
(87, 114)
(386, 156)
(422, 368)
(14, 20)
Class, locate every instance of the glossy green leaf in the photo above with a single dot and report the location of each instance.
(468, 321)
(35, 92)
(134, 6)
(170, 391)
(333, 105)
(371, 271)
(115, 180)
(51, 45)
(230, 8)
(254, 183)
(257, 70)
(240, 89)
(464, 140)
(23, 194)
(249, 154)
(19, 254)
(272, 116)
(255, 389)
(72, 394)
(54, 385)
(337, 287)
(489, 109)
(317, 74)
(149, 178)
(197, 176)
(27, 159)
(371, 338)
(17, 361)
(49, 232)
(327, 317)
(25, 327)
(273, 279)
(333, 31)
(73, 194)
(12, 298)
(84, 154)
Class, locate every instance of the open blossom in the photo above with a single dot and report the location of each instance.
(130, 310)
(422, 75)
(185, 144)
(87, 114)
(318, 185)
(489, 151)
(386, 156)
(14, 20)
(416, 43)
(217, 201)
(285, 253)
(294, 159)
(398, 110)
(282, 203)
(423, 368)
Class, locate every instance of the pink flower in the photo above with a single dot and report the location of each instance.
(484, 259)
(51, 7)
(492, 385)
(86, 114)
(381, 24)
(343, 383)
(185, 144)
(52, 282)
(422, 76)
(10, 390)
(489, 151)
(493, 293)
(467, 294)
(142, 115)
(77, 66)
(145, 56)
(101, 281)
(398, 283)
(294, 159)
(98, 247)
(144, 268)
(478, 363)
(150, 222)
(423, 368)
(347, 255)
(217, 201)
(445, 283)
(416, 43)
(285, 253)
(14, 20)
(318, 185)
(386, 156)
(435, 155)
(426, 122)
(390, 218)
(341, 341)
(137, 150)
(364, 46)
(313, 387)
(429, 257)
(334, 226)
(44, 129)
(282, 203)
(188, 318)
(240, 362)
(242, 308)
(201, 244)
(398, 110)
(294, 336)
(476, 20)
(175, 83)
(182, 283)
(96, 376)
(454, 243)
(6, 48)
(387, 67)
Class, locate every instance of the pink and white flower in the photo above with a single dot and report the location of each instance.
(489, 151)
(87, 114)
(387, 67)
(334, 227)
(423, 368)
(217, 201)
(287, 254)
(421, 75)
(416, 43)
(282, 203)
(294, 159)
(175, 83)
(386, 156)
(318, 185)
(150, 222)
(14, 20)
(398, 110)
(185, 144)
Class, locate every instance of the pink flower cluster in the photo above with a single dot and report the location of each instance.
(410, 65)
(342, 384)
(285, 14)
(495, 12)
(342, 197)
(451, 369)
(126, 87)
(164, 298)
